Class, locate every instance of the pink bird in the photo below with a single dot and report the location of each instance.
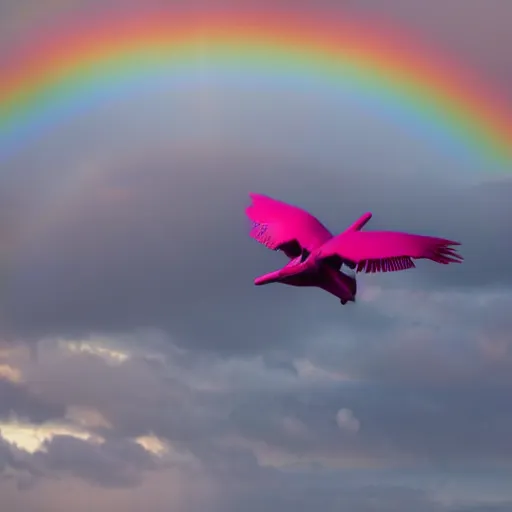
(316, 256)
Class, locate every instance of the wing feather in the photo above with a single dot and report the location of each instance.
(388, 251)
(281, 226)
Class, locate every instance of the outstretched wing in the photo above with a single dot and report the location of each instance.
(281, 226)
(387, 251)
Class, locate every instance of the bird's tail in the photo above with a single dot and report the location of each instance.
(360, 223)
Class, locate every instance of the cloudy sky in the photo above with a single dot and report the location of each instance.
(140, 369)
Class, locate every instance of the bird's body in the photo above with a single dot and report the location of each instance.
(316, 256)
(297, 273)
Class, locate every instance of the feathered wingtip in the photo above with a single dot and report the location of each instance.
(443, 252)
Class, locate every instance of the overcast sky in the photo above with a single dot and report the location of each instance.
(140, 369)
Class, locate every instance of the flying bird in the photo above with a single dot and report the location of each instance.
(317, 256)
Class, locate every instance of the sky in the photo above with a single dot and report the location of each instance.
(140, 369)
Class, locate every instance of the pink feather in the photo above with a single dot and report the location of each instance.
(276, 224)
(381, 251)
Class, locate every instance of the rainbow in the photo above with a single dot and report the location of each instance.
(55, 76)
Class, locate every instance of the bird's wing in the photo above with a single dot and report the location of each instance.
(387, 251)
(281, 226)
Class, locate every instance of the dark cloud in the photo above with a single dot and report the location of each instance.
(204, 406)
(18, 466)
(195, 260)
(230, 419)
(155, 250)
(7, 458)
(114, 463)
(17, 400)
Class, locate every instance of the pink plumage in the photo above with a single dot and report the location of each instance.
(317, 256)
(383, 251)
(278, 225)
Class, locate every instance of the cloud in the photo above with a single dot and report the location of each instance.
(347, 421)
(155, 259)
(25, 403)
(249, 429)
(237, 403)
(10, 374)
(199, 405)
(111, 464)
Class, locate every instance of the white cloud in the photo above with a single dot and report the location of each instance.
(347, 421)
(10, 373)
(32, 438)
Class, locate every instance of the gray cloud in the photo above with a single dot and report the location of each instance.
(135, 262)
(15, 398)
(229, 419)
(205, 404)
(115, 463)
